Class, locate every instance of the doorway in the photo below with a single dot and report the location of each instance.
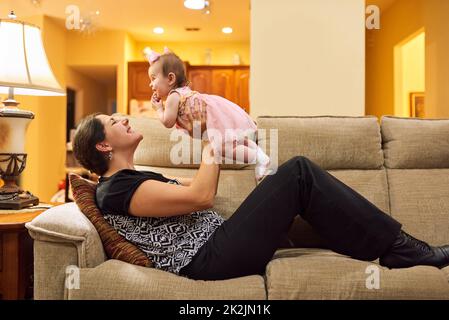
(409, 76)
(71, 103)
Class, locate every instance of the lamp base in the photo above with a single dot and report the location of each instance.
(18, 201)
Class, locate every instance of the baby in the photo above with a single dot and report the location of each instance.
(228, 126)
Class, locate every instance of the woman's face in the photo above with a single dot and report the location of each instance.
(119, 134)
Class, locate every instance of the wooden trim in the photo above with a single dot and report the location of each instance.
(218, 67)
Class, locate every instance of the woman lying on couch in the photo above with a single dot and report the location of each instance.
(180, 234)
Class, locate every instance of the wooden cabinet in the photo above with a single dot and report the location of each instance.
(241, 88)
(200, 80)
(16, 254)
(139, 81)
(230, 82)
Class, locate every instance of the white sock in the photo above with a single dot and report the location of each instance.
(261, 157)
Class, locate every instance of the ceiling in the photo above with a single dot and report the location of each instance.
(139, 17)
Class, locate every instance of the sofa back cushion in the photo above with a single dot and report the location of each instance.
(330, 141)
(159, 142)
(411, 143)
(417, 161)
(348, 147)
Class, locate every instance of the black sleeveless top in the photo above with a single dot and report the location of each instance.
(170, 242)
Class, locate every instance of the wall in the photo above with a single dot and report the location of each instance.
(397, 23)
(103, 48)
(307, 57)
(221, 52)
(436, 16)
(402, 19)
(91, 96)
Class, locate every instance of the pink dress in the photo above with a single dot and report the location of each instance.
(226, 121)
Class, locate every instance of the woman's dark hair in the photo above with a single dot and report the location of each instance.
(90, 131)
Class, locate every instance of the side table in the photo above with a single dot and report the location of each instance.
(16, 253)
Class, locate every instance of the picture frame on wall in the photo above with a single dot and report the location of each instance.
(417, 105)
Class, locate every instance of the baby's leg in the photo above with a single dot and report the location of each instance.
(244, 154)
(248, 151)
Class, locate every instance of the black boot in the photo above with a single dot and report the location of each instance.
(408, 251)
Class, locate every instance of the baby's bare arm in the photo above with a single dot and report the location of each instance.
(170, 113)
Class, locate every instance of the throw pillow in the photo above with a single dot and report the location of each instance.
(115, 245)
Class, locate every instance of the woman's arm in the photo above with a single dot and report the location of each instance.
(170, 113)
(158, 199)
(184, 181)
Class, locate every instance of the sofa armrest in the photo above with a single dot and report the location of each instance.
(62, 236)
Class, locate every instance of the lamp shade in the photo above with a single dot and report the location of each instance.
(23, 62)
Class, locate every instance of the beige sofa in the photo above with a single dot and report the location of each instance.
(402, 166)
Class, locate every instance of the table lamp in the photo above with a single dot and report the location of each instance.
(24, 70)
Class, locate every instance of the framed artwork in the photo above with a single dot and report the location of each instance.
(417, 106)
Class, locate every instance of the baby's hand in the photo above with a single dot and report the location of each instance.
(156, 102)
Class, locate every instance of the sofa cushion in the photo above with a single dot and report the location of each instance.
(115, 245)
(159, 142)
(321, 274)
(411, 143)
(419, 199)
(114, 279)
(330, 141)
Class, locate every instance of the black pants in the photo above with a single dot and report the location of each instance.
(244, 244)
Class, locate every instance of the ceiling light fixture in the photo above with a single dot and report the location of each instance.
(196, 4)
(158, 30)
(227, 30)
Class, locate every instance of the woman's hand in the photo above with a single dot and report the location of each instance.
(208, 155)
(156, 102)
(197, 120)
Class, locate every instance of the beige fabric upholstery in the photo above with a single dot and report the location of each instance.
(420, 201)
(118, 280)
(67, 224)
(312, 274)
(411, 143)
(158, 142)
(331, 142)
(446, 272)
(413, 190)
(50, 262)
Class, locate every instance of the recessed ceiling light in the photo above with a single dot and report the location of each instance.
(227, 30)
(158, 30)
(97, 12)
(195, 4)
